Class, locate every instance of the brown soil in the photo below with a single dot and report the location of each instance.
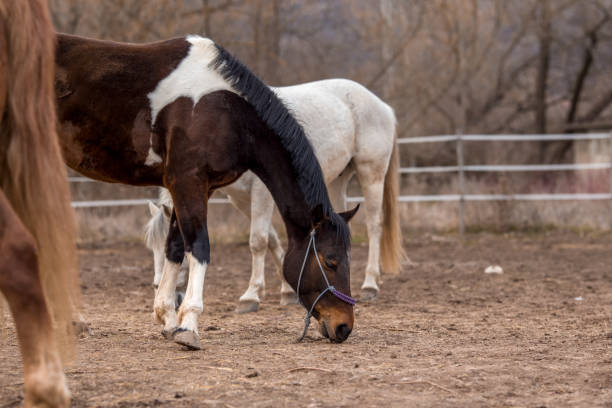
(443, 333)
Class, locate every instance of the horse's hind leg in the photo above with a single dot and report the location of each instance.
(45, 384)
(371, 176)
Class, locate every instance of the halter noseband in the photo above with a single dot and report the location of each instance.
(330, 288)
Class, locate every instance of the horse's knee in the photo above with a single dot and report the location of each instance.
(258, 243)
(375, 230)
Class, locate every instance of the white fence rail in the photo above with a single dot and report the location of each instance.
(460, 169)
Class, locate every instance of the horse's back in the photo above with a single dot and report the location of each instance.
(365, 105)
(373, 119)
(327, 121)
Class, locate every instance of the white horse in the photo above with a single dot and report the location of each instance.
(351, 131)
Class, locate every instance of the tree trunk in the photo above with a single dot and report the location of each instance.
(544, 40)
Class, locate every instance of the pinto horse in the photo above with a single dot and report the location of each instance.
(186, 115)
(351, 131)
(38, 272)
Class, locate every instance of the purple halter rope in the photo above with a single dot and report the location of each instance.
(330, 288)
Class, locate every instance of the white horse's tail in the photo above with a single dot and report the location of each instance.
(392, 253)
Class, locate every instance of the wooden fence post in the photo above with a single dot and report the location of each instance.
(461, 183)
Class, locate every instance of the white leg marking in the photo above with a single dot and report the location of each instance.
(152, 158)
(193, 304)
(164, 298)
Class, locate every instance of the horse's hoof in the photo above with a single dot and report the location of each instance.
(179, 296)
(247, 306)
(188, 339)
(368, 294)
(288, 299)
(168, 334)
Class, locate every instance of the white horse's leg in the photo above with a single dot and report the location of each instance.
(164, 305)
(160, 221)
(158, 262)
(262, 207)
(288, 296)
(371, 178)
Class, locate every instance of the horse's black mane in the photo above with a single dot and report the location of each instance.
(275, 114)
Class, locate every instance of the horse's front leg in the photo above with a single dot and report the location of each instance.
(191, 211)
(262, 208)
(164, 306)
(288, 296)
(45, 384)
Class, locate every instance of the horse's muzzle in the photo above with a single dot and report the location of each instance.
(336, 324)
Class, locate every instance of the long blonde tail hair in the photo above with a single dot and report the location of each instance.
(32, 171)
(391, 251)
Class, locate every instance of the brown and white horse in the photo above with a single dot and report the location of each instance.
(351, 131)
(38, 274)
(186, 115)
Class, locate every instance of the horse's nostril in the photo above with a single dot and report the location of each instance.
(342, 332)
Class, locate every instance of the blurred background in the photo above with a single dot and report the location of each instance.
(446, 66)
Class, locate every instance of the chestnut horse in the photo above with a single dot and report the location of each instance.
(186, 115)
(38, 274)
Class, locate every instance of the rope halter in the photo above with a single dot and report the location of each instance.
(329, 288)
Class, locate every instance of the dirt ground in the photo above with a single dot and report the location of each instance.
(443, 333)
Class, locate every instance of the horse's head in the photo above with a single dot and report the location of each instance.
(323, 260)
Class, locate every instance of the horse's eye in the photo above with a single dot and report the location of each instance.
(331, 264)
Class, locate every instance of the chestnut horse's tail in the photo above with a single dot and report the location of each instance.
(32, 172)
(391, 251)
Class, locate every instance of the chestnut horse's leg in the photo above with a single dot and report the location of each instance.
(45, 384)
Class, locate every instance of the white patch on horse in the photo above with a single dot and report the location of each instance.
(192, 78)
(152, 158)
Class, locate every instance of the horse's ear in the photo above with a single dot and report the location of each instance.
(167, 211)
(153, 209)
(347, 215)
(318, 215)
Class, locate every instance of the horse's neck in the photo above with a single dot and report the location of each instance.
(271, 163)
